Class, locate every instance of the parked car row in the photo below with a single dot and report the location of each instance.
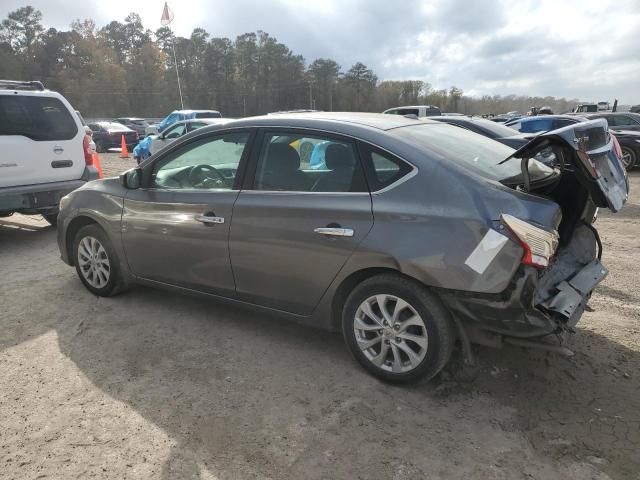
(624, 125)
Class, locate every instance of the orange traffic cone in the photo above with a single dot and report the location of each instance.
(97, 164)
(123, 147)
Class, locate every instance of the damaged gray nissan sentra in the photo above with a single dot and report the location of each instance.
(405, 234)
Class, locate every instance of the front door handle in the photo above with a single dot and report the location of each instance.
(209, 219)
(335, 231)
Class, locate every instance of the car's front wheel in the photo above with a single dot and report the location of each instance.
(96, 261)
(397, 329)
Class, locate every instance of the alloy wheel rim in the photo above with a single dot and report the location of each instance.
(93, 262)
(390, 333)
(626, 157)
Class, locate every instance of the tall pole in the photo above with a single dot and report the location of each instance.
(175, 62)
(310, 95)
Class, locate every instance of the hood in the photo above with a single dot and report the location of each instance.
(595, 155)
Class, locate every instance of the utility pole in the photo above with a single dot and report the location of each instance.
(175, 62)
(310, 95)
(165, 20)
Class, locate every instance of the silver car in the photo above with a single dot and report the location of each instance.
(406, 235)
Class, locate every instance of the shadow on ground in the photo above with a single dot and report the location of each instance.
(245, 395)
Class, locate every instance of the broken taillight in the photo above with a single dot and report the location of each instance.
(539, 245)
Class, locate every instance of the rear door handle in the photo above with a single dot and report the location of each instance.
(209, 219)
(335, 231)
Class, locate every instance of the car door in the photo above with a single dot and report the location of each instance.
(622, 122)
(175, 229)
(295, 226)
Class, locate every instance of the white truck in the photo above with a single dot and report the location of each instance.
(45, 151)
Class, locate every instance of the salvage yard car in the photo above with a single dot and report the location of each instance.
(108, 135)
(45, 151)
(412, 235)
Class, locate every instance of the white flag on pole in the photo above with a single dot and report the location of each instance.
(167, 15)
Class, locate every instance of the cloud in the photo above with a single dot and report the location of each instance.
(574, 48)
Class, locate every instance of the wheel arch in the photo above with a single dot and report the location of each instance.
(347, 285)
(72, 230)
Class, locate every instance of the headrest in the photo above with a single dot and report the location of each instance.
(282, 157)
(338, 157)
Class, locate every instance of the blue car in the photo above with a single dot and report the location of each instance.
(178, 115)
(543, 123)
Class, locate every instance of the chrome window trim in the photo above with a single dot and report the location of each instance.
(404, 178)
(297, 192)
(401, 180)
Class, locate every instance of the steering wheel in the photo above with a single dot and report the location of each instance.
(206, 176)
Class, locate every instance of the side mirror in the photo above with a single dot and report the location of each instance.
(131, 179)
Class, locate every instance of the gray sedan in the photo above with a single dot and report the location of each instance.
(406, 235)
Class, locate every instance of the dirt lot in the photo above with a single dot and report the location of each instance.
(156, 385)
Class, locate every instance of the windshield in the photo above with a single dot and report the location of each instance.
(476, 153)
(208, 115)
(114, 127)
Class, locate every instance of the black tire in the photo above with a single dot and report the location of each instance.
(51, 218)
(629, 153)
(100, 147)
(440, 331)
(113, 283)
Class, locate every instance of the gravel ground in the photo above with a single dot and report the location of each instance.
(156, 385)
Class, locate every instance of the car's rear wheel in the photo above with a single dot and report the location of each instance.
(96, 261)
(629, 157)
(397, 329)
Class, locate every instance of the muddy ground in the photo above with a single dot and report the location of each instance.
(156, 385)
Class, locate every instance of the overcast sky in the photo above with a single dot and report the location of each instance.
(587, 49)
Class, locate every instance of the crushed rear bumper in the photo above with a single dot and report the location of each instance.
(535, 303)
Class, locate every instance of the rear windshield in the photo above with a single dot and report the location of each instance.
(114, 127)
(38, 118)
(475, 152)
(208, 115)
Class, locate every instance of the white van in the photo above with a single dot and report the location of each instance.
(45, 151)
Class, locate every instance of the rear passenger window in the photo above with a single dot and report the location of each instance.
(38, 118)
(383, 169)
(303, 163)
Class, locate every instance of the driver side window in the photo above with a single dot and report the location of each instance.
(209, 164)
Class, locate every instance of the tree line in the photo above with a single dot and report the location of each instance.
(123, 68)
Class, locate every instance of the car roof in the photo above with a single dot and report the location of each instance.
(379, 121)
(412, 106)
(537, 117)
(195, 111)
(211, 121)
(610, 114)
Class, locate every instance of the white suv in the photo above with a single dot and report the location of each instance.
(45, 151)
